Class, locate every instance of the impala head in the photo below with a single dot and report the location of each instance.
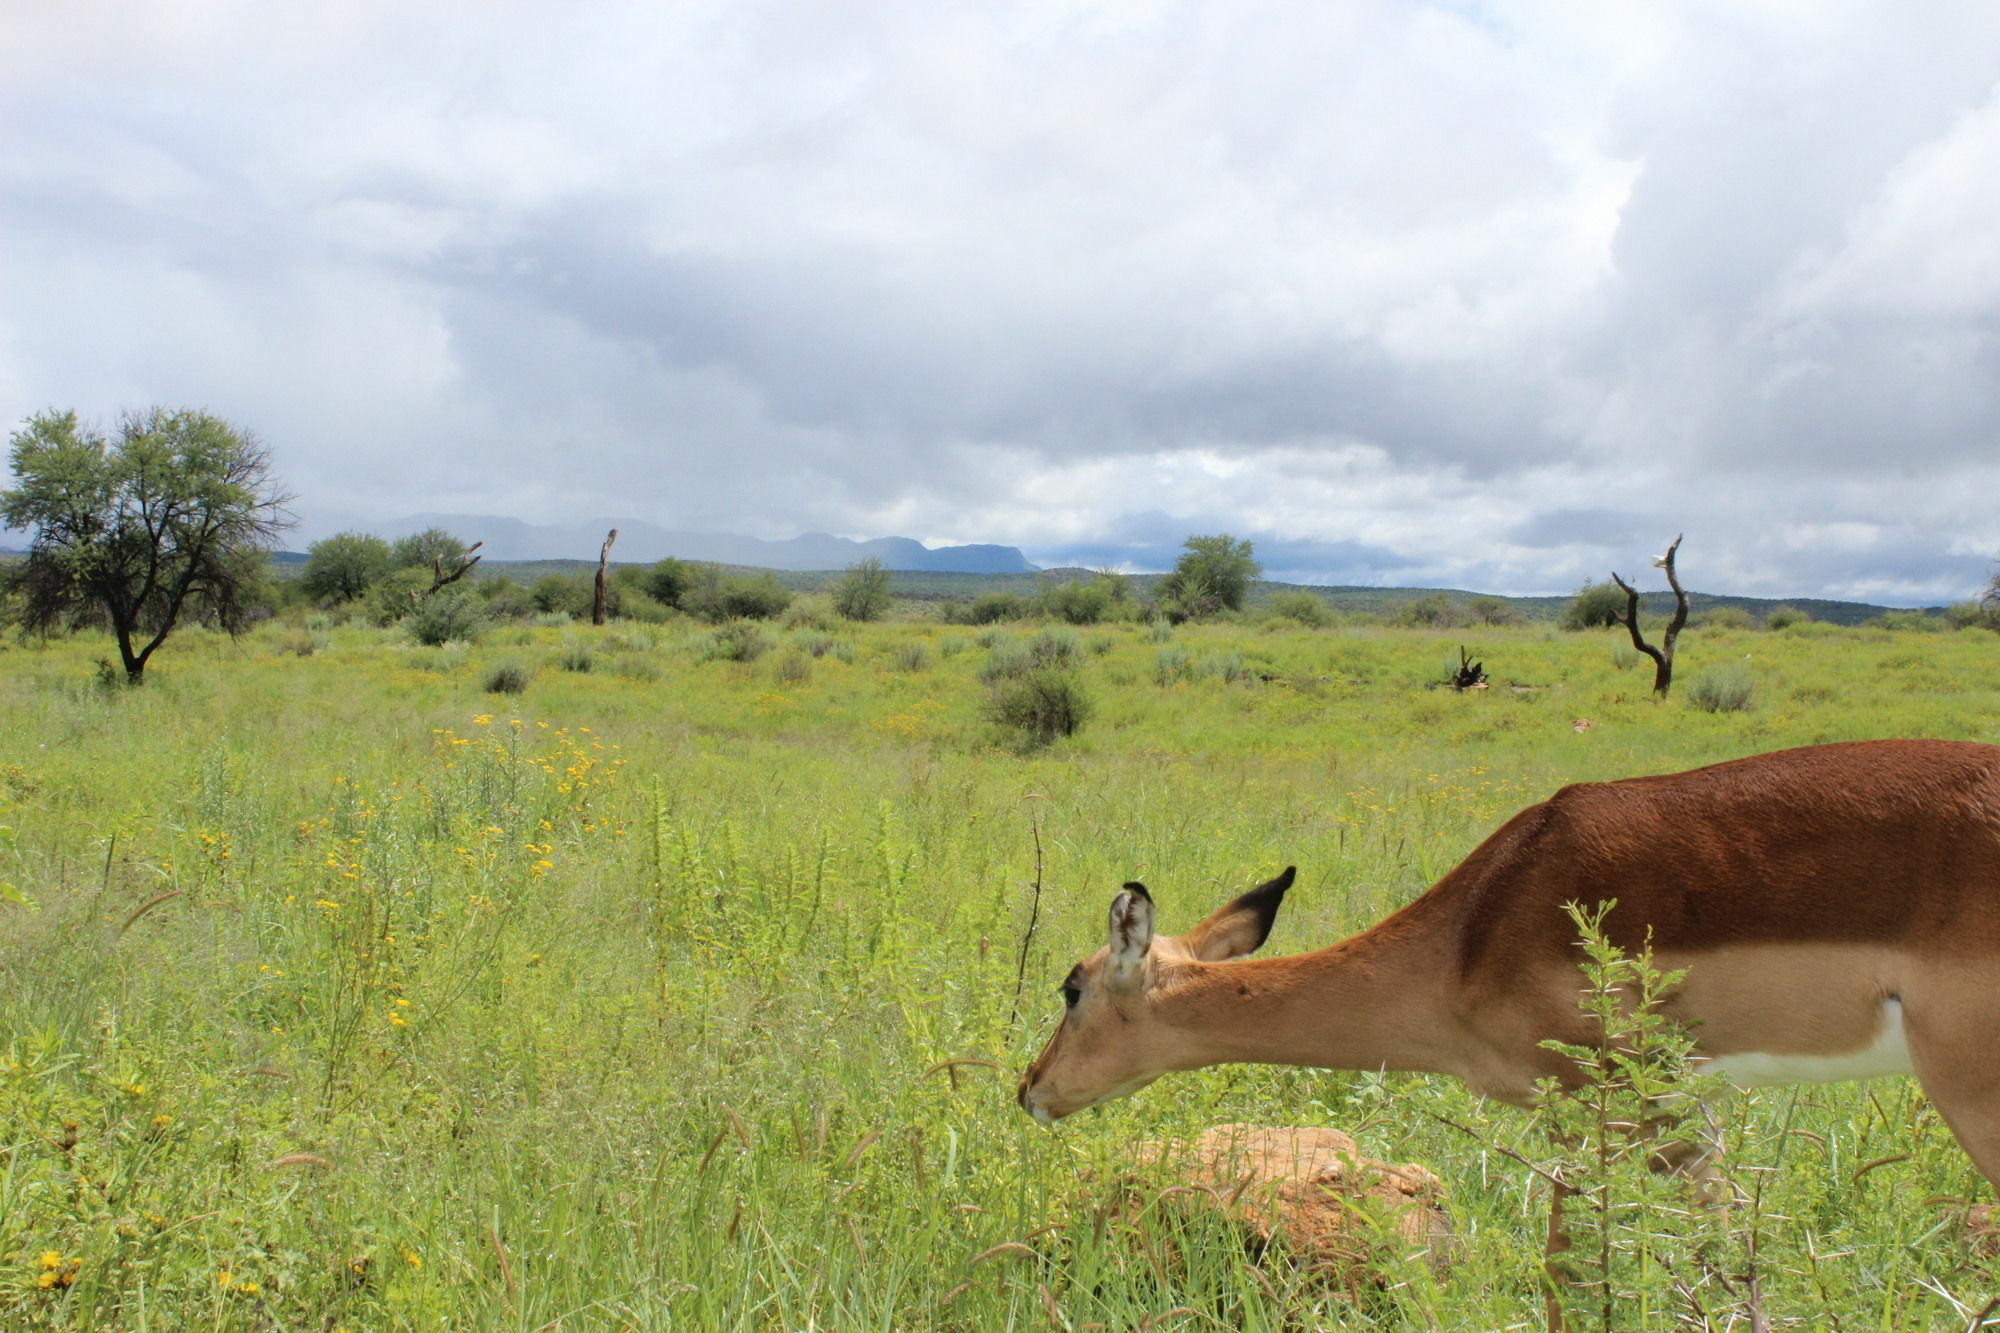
(1125, 1006)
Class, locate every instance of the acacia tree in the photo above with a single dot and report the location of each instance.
(345, 566)
(171, 517)
(1213, 576)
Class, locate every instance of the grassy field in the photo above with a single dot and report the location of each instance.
(352, 996)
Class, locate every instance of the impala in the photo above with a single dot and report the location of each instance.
(1837, 909)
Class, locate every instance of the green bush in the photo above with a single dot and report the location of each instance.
(862, 593)
(1040, 706)
(792, 667)
(1722, 690)
(343, 567)
(716, 598)
(1309, 609)
(1784, 617)
(1431, 611)
(562, 594)
(449, 615)
(1724, 617)
(575, 656)
(911, 657)
(393, 597)
(1595, 606)
(737, 641)
(989, 608)
(507, 678)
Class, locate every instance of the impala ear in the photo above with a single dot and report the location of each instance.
(1131, 934)
(1240, 927)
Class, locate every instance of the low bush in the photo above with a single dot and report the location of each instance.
(1039, 706)
(1722, 690)
(507, 678)
(450, 615)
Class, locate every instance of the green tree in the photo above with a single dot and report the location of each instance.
(172, 517)
(344, 566)
(1595, 606)
(1212, 577)
(668, 581)
(862, 593)
(427, 550)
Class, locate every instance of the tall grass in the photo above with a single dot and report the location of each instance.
(693, 997)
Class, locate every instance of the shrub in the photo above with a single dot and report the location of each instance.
(1595, 606)
(1170, 663)
(1226, 666)
(862, 593)
(737, 641)
(575, 656)
(911, 657)
(1006, 660)
(395, 596)
(446, 616)
(507, 678)
(792, 667)
(668, 581)
(1724, 617)
(1920, 621)
(1101, 597)
(569, 595)
(1492, 611)
(1309, 609)
(1159, 630)
(813, 612)
(343, 567)
(1624, 656)
(746, 597)
(1784, 617)
(1041, 705)
(1722, 690)
(1433, 610)
(992, 607)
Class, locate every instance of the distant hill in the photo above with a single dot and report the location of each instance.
(510, 539)
(938, 586)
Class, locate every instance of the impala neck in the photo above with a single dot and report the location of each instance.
(1381, 1000)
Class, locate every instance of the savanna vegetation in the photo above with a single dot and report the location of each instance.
(677, 974)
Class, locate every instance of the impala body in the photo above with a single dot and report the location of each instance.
(1837, 909)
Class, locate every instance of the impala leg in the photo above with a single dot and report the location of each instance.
(1966, 1091)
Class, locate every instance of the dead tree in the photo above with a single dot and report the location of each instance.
(597, 600)
(440, 579)
(1663, 656)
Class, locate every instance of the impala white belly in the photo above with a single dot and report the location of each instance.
(1888, 1055)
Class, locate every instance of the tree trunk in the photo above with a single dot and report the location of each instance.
(597, 601)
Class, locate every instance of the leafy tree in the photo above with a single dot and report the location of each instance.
(172, 517)
(668, 581)
(427, 549)
(1309, 609)
(344, 566)
(1212, 577)
(716, 597)
(1595, 606)
(1103, 596)
(862, 593)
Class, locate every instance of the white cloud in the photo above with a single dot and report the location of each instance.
(1447, 292)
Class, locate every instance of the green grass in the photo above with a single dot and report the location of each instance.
(627, 1001)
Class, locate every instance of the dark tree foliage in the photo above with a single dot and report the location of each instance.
(427, 550)
(1212, 577)
(1595, 606)
(344, 566)
(172, 517)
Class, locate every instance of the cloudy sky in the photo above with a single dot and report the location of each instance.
(1489, 296)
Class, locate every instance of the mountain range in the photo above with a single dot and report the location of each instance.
(513, 539)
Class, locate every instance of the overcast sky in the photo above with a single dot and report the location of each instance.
(1489, 296)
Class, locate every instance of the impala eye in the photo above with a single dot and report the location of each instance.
(1071, 991)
